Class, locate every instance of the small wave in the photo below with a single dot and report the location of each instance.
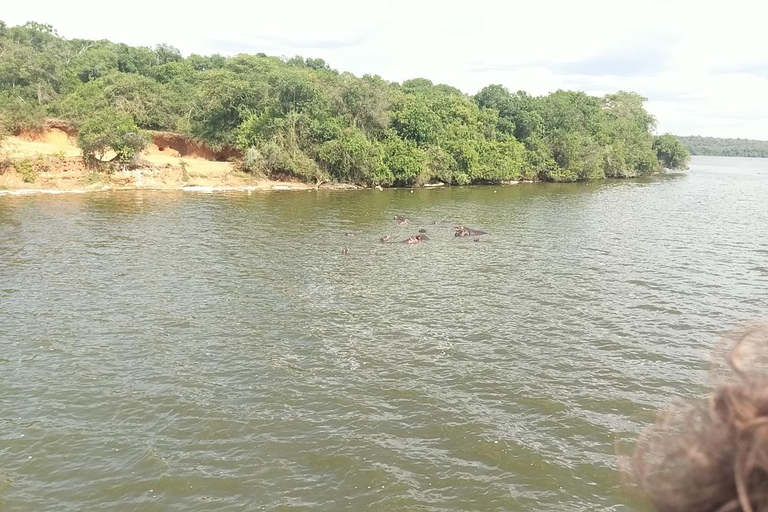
(657, 308)
(250, 188)
(29, 191)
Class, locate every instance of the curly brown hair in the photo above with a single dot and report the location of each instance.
(712, 455)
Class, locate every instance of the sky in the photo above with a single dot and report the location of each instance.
(703, 69)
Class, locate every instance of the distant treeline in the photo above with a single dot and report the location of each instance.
(299, 117)
(713, 146)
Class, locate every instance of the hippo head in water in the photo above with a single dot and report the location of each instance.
(465, 231)
(400, 219)
(422, 236)
(385, 238)
(461, 231)
(413, 240)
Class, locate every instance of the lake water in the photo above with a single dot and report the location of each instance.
(177, 351)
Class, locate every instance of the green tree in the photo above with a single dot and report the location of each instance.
(499, 161)
(165, 53)
(32, 62)
(441, 166)
(111, 130)
(496, 97)
(671, 152)
(130, 59)
(364, 102)
(149, 103)
(17, 114)
(354, 158)
(91, 64)
(200, 63)
(405, 161)
(415, 120)
(223, 101)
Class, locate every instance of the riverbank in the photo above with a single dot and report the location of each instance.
(49, 161)
(73, 178)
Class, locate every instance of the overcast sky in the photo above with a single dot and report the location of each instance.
(703, 69)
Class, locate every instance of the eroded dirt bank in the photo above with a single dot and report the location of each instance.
(49, 160)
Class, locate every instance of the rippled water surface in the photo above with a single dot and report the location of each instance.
(190, 351)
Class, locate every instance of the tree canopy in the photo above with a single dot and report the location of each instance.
(299, 117)
(713, 146)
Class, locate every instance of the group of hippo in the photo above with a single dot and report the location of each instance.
(422, 236)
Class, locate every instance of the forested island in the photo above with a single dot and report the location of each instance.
(713, 146)
(297, 118)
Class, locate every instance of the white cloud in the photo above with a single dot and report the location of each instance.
(699, 66)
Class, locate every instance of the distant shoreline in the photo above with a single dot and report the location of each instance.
(718, 146)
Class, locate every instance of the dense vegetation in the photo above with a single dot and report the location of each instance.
(298, 117)
(712, 146)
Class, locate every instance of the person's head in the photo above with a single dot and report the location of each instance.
(712, 455)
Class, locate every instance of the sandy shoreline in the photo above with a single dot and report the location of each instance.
(79, 181)
(56, 167)
(199, 189)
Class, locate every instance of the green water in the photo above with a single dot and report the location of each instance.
(189, 351)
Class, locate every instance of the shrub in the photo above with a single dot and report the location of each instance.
(184, 173)
(27, 170)
(253, 161)
(93, 178)
(282, 162)
(41, 164)
(110, 130)
(5, 162)
(5, 159)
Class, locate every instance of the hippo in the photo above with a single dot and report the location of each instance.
(465, 231)
(350, 234)
(422, 230)
(344, 250)
(411, 240)
(400, 219)
(416, 239)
